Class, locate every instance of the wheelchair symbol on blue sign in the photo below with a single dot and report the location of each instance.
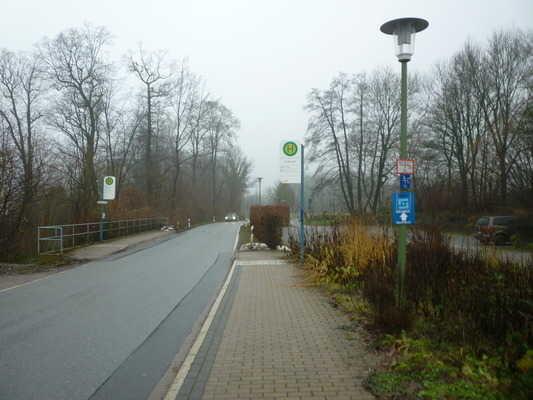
(405, 182)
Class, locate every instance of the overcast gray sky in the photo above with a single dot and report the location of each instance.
(262, 57)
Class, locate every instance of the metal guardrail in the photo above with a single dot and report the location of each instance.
(57, 238)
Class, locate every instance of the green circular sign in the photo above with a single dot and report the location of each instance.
(108, 180)
(290, 149)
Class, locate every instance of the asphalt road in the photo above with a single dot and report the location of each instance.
(109, 329)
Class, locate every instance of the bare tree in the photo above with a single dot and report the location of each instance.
(501, 85)
(20, 92)
(360, 103)
(198, 132)
(458, 118)
(121, 127)
(79, 73)
(9, 191)
(522, 172)
(329, 134)
(352, 131)
(183, 97)
(221, 125)
(236, 169)
(150, 68)
(170, 140)
(385, 116)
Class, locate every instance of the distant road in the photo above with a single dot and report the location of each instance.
(109, 329)
(469, 243)
(457, 241)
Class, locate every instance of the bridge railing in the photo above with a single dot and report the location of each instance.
(57, 238)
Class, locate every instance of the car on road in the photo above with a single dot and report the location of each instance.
(231, 217)
(496, 229)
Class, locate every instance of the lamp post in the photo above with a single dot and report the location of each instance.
(403, 31)
(259, 179)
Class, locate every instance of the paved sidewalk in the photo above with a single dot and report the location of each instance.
(279, 339)
(99, 250)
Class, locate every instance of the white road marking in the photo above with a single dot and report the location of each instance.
(262, 262)
(186, 366)
(35, 280)
(22, 284)
(189, 359)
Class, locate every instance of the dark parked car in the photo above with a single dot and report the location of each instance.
(497, 230)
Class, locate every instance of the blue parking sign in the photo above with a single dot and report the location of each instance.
(403, 208)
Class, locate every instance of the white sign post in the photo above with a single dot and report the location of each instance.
(108, 193)
(109, 188)
(290, 163)
(292, 171)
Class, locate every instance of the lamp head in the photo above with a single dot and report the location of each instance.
(403, 30)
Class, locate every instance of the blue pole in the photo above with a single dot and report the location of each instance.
(302, 228)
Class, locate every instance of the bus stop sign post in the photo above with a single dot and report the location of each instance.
(292, 171)
(302, 227)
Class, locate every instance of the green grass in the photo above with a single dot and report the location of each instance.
(424, 369)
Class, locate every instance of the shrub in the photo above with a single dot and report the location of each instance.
(517, 241)
(472, 296)
(268, 222)
(468, 297)
(270, 232)
(470, 315)
(281, 210)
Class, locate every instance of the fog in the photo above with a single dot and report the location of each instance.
(261, 58)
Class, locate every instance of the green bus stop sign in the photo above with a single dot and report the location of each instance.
(290, 149)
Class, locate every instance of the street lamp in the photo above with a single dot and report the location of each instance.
(403, 31)
(259, 179)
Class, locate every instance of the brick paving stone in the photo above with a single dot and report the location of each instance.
(282, 340)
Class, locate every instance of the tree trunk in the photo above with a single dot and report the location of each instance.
(148, 149)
